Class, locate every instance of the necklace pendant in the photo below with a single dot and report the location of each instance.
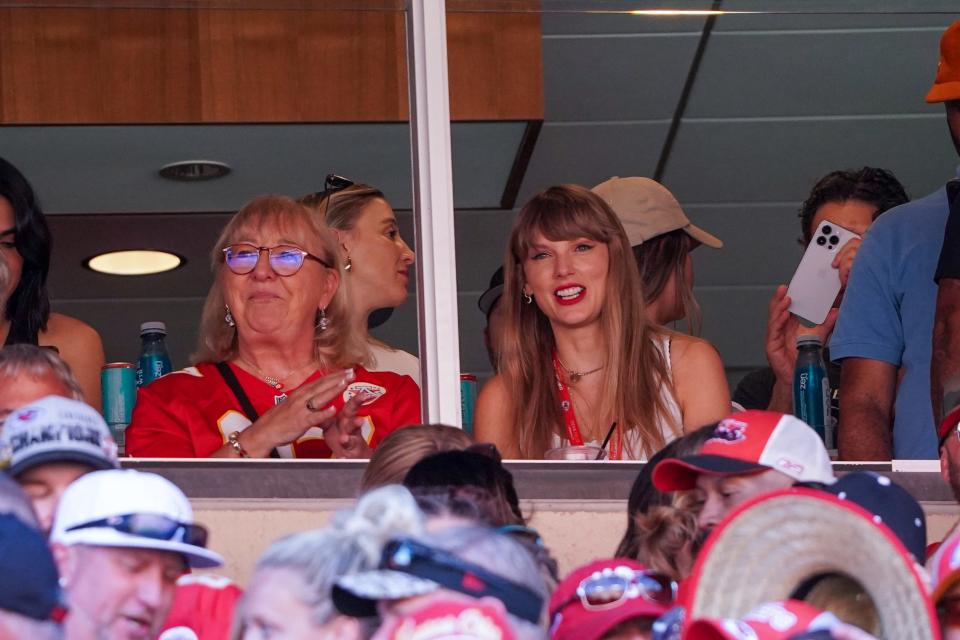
(273, 382)
(575, 377)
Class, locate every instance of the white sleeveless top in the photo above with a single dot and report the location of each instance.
(672, 416)
(395, 360)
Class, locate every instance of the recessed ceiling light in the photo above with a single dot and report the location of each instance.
(140, 262)
(194, 170)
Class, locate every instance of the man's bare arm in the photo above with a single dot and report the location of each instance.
(867, 389)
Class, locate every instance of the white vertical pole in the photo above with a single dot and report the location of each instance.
(433, 210)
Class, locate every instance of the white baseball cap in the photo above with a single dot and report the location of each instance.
(56, 429)
(647, 209)
(119, 508)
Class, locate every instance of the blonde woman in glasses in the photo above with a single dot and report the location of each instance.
(278, 371)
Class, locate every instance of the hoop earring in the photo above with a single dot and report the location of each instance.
(323, 323)
(348, 265)
(228, 317)
(527, 298)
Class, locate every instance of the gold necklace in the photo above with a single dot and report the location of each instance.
(274, 381)
(574, 376)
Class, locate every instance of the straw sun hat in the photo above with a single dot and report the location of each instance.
(770, 547)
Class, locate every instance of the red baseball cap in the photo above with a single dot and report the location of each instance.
(948, 424)
(570, 619)
(771, 621)
(451, 617)
(946, 86)
(750, 442)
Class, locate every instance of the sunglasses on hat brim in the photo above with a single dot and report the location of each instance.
(449, 571)
(150, 525)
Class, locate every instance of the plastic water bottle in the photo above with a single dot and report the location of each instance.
(154, 360)
(811, 388)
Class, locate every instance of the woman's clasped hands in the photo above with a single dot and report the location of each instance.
(311, 406)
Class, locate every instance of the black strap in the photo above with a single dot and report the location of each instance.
(231, 379)
(948, 266)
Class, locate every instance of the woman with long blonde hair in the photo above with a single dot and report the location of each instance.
(376, 263)
(580, 360)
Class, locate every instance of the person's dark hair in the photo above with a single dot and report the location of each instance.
(664, 256)
(475, 504)
(475, 467)
(29, 306)
(644, 496)
(877, 187)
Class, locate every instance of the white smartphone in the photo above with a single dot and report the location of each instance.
(815, 284)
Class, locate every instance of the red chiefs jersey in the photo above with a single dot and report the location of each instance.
(190, 413)
(202, 609)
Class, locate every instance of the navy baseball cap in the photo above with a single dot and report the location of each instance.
(890, 504)
(489, 297)
(31, 585)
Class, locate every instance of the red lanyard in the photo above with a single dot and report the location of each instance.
(570, 418)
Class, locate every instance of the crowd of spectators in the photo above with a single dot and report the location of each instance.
(737, 527)
(738, 530)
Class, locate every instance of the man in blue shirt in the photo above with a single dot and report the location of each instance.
(883, 336)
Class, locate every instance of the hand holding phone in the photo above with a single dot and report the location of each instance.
(816, 283)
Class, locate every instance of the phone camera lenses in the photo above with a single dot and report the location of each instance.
(834, 240)
(821, 241)
(827, 230)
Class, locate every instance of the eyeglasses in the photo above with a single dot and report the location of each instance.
(285, 259)
(449, 571)
(150, 525)
(612, 587)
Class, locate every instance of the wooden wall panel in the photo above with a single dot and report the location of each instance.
(495, 66)
(80, 66)
(302, 66)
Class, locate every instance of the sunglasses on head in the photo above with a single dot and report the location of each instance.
(331, 185)
(284, 259)
(449, 571)
(150, 525)
(614, 586)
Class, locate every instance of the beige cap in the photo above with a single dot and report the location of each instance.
(647, 209)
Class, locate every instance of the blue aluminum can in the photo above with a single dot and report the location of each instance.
(118, 392)
(468, 400)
